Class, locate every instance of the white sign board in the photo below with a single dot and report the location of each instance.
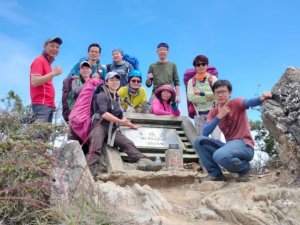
(146, 137)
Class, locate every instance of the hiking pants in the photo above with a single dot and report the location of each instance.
(234, 156)
(99, 135)
(150, 102)
(43, 112)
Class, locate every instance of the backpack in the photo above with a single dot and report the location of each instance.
(128, 60)
(80, 116)
(67, 83)
(188, 74)
(109, 67)
(68, 98)
(132, 60)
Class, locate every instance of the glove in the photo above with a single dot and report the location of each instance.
(177, 99)
(174, 106)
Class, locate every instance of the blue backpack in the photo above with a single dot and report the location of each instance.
(132, 60)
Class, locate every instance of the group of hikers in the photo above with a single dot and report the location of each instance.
(104, 92)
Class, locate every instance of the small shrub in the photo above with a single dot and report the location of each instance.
(27, 159)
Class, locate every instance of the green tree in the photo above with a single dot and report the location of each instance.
(26, 164)
(263, 138)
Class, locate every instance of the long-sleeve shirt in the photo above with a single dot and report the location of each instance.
(203, 102)
(164, 73)
(164, 108)
(123, 70)
(235, 124)
(136, 100)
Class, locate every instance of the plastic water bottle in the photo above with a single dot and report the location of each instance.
(157, 159)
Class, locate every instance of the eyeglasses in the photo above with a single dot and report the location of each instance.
(135, 81)
(201, 64)
(223, 92)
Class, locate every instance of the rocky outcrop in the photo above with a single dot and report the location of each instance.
(251, 204)
(176, 197)
(281, 116)
(72, 176)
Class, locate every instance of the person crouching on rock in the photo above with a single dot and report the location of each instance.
(164, 102)
(105, 127)
(231, 117)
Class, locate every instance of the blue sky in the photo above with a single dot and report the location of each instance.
(250, 42)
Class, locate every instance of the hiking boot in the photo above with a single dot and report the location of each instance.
(212, 178)
(245, 177)
(148, 165)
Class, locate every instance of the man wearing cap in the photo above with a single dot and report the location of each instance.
(120, 66)
(107, 119)
(163, 72)
(42, 91)
(98, 70)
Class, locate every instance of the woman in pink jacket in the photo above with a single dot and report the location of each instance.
(164, 102)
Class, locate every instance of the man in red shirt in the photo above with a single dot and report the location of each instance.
(231, 117)
(42, 91)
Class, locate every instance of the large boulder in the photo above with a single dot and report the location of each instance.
(72, 175)
(281, 116)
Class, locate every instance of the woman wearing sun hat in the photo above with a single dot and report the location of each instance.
(164, 101)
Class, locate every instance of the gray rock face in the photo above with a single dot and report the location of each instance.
(72, 174)
(281, 116)
(173, 197)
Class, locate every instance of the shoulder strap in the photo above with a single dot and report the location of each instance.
(194, 81)
(79, 82)
(210, 80)
(126, 67)
(108, 66)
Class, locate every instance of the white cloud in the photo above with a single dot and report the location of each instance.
(12, 11)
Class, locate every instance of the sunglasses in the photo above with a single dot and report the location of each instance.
(135, 81)
(201, 64)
